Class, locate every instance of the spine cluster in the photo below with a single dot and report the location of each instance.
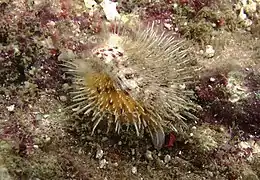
(135, 76)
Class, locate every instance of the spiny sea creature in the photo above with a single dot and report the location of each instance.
(135, 76)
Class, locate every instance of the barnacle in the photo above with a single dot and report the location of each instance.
(135, 76)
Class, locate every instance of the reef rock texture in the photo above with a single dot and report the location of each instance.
(41, 139)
